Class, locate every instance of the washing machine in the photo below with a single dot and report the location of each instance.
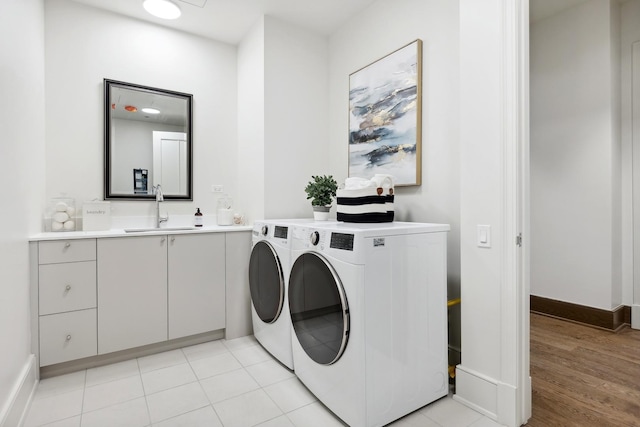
(269, 267)
(368, 314)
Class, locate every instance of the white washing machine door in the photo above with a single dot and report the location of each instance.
(266, 282)
(319, 308)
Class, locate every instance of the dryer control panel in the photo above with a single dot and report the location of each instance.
(341, 241)
(280, 232)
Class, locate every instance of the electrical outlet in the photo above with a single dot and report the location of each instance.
(217, 188)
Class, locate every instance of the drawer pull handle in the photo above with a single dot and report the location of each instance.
(68, 337)
(173, 239)
(67, 288)
(66, 245)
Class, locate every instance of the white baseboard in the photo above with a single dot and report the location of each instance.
(477, 391)
(492, 398)
(15, 410)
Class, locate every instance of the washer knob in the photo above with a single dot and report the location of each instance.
(264, 230)
(315, 238)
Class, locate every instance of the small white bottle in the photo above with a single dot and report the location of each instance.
(198, 218)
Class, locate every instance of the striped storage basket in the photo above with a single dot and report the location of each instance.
(366, 201)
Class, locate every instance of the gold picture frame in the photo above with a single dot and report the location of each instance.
(385, 117)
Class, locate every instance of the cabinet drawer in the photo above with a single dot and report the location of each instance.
(68, 336)
(66, 251)
(67, 287)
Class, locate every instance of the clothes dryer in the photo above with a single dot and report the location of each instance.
(368, 312)
(269, 267)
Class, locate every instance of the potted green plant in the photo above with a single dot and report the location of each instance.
(321, 190)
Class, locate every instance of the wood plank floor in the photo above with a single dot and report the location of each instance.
(582, 376)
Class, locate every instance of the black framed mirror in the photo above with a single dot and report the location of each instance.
(148, 141)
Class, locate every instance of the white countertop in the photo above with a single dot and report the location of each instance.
(120, 232)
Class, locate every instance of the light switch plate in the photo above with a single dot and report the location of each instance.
(484, 236)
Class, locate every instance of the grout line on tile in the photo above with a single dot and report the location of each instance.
(237, 360)
(144, 393)
(191, 367)
(84, 393)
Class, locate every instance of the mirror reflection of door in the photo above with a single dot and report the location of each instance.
(169, 162)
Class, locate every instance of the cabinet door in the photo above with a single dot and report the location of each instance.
(196, 283)
(132, 292)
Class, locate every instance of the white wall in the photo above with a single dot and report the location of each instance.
(283, 110)
(630, 35)
(575, 169)
(616, 152)
(296, 117)
(22, 174)
(480, 194)
(85, 45)
(374, 33)
(251, 112)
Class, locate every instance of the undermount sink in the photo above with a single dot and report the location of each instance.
(145, 230)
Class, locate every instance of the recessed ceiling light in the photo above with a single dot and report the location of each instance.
(131, 108)
(150, 110)
(164, 9)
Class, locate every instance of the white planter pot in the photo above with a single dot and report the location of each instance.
(321, 213)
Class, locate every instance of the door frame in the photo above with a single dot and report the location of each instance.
(515, 267)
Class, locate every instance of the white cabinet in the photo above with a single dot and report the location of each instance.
(196, 286)
(132, 292)
(94, 296)
(66, 290)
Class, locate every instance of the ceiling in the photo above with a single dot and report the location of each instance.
(229, 20)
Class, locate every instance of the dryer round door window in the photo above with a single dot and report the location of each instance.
(266, 282)
(319, 309)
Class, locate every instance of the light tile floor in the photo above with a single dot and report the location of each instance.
(233, 383)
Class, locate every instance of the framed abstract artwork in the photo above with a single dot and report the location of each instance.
(385, 117)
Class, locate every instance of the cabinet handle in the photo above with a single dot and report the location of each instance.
(162, 239)
(68, 337)
(173, 239)
(67, 288)
(66, 245)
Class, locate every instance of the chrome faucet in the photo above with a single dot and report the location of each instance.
(159, 198)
